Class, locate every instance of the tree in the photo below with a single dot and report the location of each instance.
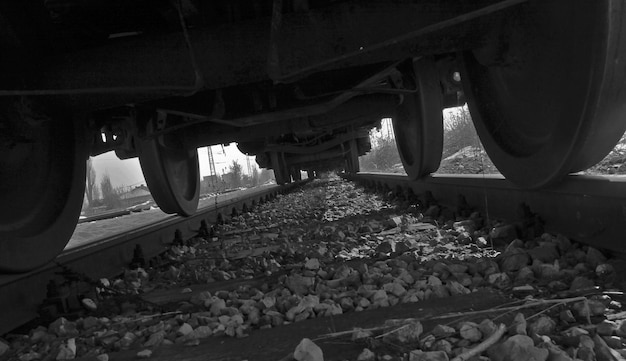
(459, 132)
(236, 172)
(110, 196)
(264, 176)
(255, 177)
(91, 188)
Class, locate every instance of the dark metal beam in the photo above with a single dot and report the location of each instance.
(153, 67)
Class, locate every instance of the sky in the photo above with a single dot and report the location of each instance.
(127, 173)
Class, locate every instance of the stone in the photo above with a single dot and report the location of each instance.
(90, 322)
(63, 328)
(184, 329)
(67, 350)
(144, 354)
(443, 331)
(546, 252)
(585, 354)
(30, 356)
(102, 357)
(380, 298)
(621, 329)
(299, 284)
(434, 281)
(594, 257)
(613, 342)
(360, 334)
(525, 274)
(456, 288)
(581, 283)
(201, 332)
(419, 355)
(606, 328)
(89, 304)
(505, 233)
(403, 331)
(4, 347)
(549, 271)
(589, 308)
(499, 280)
(543, 325)
(603, 351)
(470, 331)
(567, 316)
(517, 348)
(395, 289)
(216, 305)
(519, 325)
(440, 291)
(487, 327)
(155, 339)
(312, 264)
(556, 354)
(514, 259)
(307, 350)
(366, 355)
(442, 345)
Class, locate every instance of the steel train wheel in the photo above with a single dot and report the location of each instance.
(172, 172)
(42, 184)
(281, 171)
(548, 98)
(418, 123)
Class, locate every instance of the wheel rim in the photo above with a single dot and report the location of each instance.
(42, 184)
(172, 172)
(418, 124)
(544, 110)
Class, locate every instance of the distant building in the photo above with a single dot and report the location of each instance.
(137, 195)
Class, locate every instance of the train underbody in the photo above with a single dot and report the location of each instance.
(296, 83)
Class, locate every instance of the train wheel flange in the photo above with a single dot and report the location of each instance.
(172, 173)
(547, 96)
(418, 122)
(42, 184)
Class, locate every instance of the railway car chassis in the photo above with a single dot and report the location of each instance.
(298, 84)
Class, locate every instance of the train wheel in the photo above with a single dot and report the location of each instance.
(547, 99)
(281, 172)
(352, 157)
(418, 124)
(42, 184)
(172, 172)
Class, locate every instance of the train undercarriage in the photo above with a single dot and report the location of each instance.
(296, 83)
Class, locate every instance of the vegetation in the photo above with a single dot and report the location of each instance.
(91, 188)
(236, 173)
(384, 155)
(110, 196)
(459, 131)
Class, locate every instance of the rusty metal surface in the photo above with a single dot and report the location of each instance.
(588, 209)
(20, 295)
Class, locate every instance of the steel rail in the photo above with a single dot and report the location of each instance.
(22, 294)
(588, 209)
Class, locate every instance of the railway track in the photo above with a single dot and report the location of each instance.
(587, 209)
(22, 294)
